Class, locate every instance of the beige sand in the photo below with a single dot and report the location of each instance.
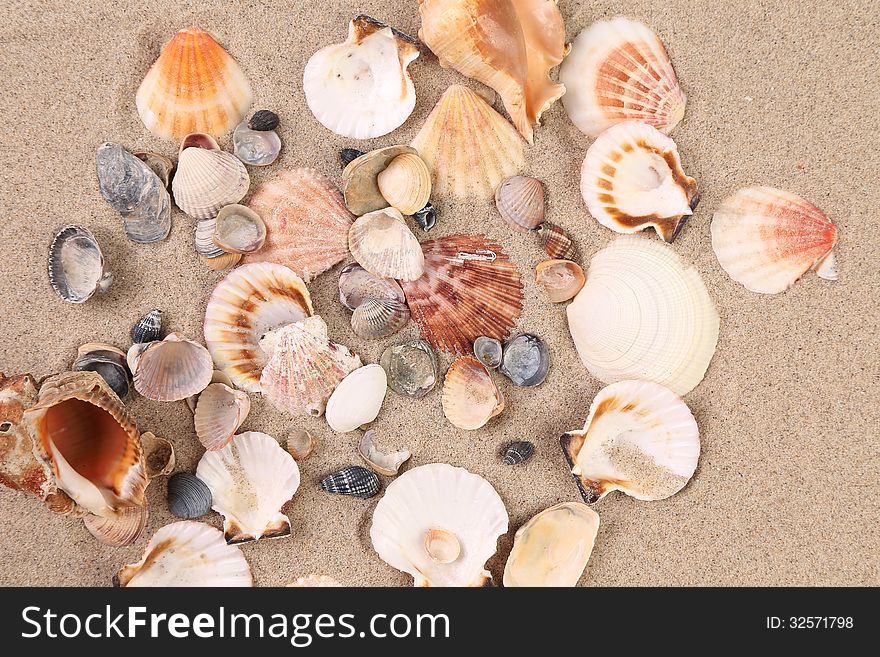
(786, 491)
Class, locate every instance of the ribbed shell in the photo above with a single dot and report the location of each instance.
(220, 411)
(520, 202)
(148, 328)
(120, 530)
(356, 285)
(470, 397)
(354, 480)
(204, 239)
(206, 180)
(172, 369)
(188, 496)
(406, 183)
(383, 244)
(555, 242)
(375, 319)
(518, 452)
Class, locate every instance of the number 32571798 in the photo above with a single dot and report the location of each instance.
(810, 622)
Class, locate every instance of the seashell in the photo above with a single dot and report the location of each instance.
(307, 221)
(428, 512)
(207, 178)
(632, 178)
(618, 70)
(553, 548)
(357, 399)
(204, 236)
(258, 148)
(643, 314)
(347, 155)
(187, 553)
(354, 481)
(555, 242)
(356, 285)
(188, 496)
(263, 120)
(131, 188)
(411, 368)
(304, 366)
(301, 444)
(375, 319)
(85, 435)
(766, 239)
(426, 217)
(159, 458)
(118, 531)
(250, 480)
(470, 288)
(405, 183)
(314, 581)
(361, 88)
(468, 146)
(76, 265)
(488, 351)
(194, 86)
(520, 201)
(109, 362)
(148, 328)
(225, 261)
(382, 244)
(518, 452)
(171, 369)
(561, 279)
(360, 177)
(220, 411)
(509, 45)
(470, 397)
(216, 377)
(380, 462)
(159, 164)
(640, 438)
(526, 360)
(251, 301)
(238, 229)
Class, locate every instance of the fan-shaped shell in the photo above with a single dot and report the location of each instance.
(468, 146)
(561, 279)
(470, 288)
(632, 178)
(252, 300)
(439, 498)
(375, 319)
(640, 438)
(120, 530)
(405, 183)
(766, 239)
(307, 222)
(194, 86)
(207, 178)
(250, 480)
(187, 553)
(220, 411)
(618, 70)
(520, 202)
(361, 88)
(171, 369)
(76, 265)
(470, 397)
(643, 314)
(382, 244)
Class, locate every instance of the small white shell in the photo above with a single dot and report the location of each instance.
(207, 178)
(357, 399)
(382, 463)
(470, 397)
(383, 244)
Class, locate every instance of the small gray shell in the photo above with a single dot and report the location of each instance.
(411, 368)
(188, 496)
(110, 365)
(488, 351)
(76, 265)
(353, 480)
(148, 328)
(526, 360)
(518, 452)
(426, 217)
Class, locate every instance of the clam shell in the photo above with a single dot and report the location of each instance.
(382, 244)
(488, 351)
(468, 146)
(470, 288)
(375, 319)
(188, 496)
(618, 70)
(555, 242)
(405, 183)
(307, 222)
(238, 229)
(356, 285)
(194, 86)
(216, 377)
(301, 444)
(766, 239)
(525, 361)
(640, 438)
(387, 464)
(518, 452)
(207, 178)
(220, 411)
(187, 553)
(632, 178)
(172, 369)
(259, 148)
(204, 238)
(361, 88)
(520, 202)
(252, 300)
(224, 261)
(360, 177)
(357, 399)
(643, 314)
(108, 361)
(353, 480)
(76, 265)
(120, 530)
(148, 328)
(159, 458)
(561, 279)
(314, 581)
(470, 397)
(263, 120)
(411, 368)
(250, 480)
(432, 500)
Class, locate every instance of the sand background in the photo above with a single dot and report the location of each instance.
(783, 94)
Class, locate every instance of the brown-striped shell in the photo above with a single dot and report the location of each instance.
(555, 242)
(470, 397)
(520, 202)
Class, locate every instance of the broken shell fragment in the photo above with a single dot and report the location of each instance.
(382, 244)
(188, 496)
(470, 397)
(220, 411)
(159, 458)
(356, 285)
(375, 319)
(258, 148)
(561, 279)
(387, 464)
(76, 265)
(238, 229)
(555, 242)
(488, 351)
(120, 530)
(526, 360)
(109, 362)
(356, 401)
(405, 183)
(207, 178)
(518, 452)
(301, 444)
(354, 481)
(520, 202)
(411, 368)
(314, 581)
(171, 369)
(159, 164)
(263, 120)
(148, 328)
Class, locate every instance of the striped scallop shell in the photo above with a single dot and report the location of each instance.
(375, 319)
(220, 411)
(171, 369)
(520, 202)
(470, 397)
(208, 179)
(383, 244)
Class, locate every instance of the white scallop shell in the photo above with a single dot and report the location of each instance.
(208, 179)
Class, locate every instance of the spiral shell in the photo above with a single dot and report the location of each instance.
(555, 242)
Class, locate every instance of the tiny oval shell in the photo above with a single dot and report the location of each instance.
(301, 444)
(518, 452)
(555, 242)
(188, 496)
(238, 229)
(470, 397)
(120, 530)
(442, 545)
(76, 265)
(488, 351)
(354, 480)
(172, 369)
(520, 201)
(405, 183)
(375, 319)
(561, 279)
(387, 464)
(383, 244)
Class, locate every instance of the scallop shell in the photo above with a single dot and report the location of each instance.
(194, 86)
(76, 265)
(188, 496)
(766, 239)
(315, 581)
(509, 45)
(520, 202)
(250, 480)
(304, 366)
(118, 531)
(187, 553)
(360, 177)
(361, 88)
(618, 70)
(356, 285)
(216, 377)
(561, 279)
(251, 301)
(375, 319)
(518, 452)
(238, 229)
(108, 361)
(383, 463)
(382, 244)
(405, 183)
(307, 222)
(357, 399)
(553, 548)
(207, 178)
(470, 288)
(354, 481)
(220, 411)
(171, 369)
(640, 438)
(470, 397)
(643, 314)
(148, 328)
(632, 178)
(468, 146)
(439, 499)
(555, 242)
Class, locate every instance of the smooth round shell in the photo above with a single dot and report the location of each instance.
(525, 361)
(411, 368)
(76, 265)
(301, 444)
(560, 279)
(442, 546)
(257, 148)
(382, 244)
(238, 229)
(357, 399)
(360, 176)
(188, 496)
(520, 202)
(405, 183)
(470, 397)
(488, 351)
